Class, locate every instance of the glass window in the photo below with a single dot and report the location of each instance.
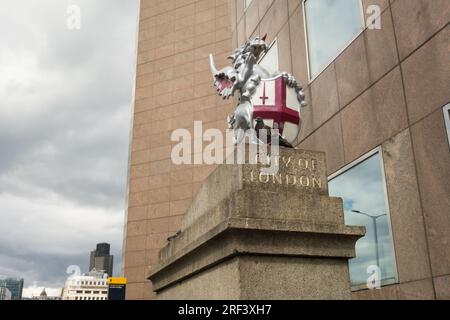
(270, 60)
(330, 26)
(362, 188)
(247, 3)
(447, 121)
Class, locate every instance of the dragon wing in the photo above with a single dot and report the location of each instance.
(223, 79)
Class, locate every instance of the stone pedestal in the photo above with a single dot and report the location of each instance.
(248, 235)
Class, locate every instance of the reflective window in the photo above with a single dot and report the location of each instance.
(362, 189)
(330, 25)
(247, 3)
(447, 121)
(270, 60)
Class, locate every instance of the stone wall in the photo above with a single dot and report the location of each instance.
(173, 88)
(387, 88)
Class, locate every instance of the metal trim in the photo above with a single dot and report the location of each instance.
(275, 41)
(446, 110)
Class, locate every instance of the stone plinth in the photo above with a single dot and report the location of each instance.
(248, 235)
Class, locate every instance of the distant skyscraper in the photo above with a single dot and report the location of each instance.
(101, 259)
(14, 285)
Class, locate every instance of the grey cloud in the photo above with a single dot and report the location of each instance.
(65, 106)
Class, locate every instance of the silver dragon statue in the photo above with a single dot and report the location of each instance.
(244, 76)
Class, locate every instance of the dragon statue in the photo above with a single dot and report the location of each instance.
(244, 76)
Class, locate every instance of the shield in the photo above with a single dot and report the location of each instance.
(278, 106)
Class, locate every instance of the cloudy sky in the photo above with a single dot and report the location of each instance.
(65, 108)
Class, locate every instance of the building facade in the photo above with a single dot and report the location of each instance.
(173, 88)
(90, 286)
(14, 285)
(377, 77)
(101, 259)
(5, 294)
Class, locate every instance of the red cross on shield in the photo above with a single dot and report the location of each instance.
(278, 106)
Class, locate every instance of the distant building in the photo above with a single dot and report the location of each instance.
(14, 285)
(43, 295)
(90, 286)
(101, 259)
(5, 294)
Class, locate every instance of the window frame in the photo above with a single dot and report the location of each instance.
(305, 28)
(272, 44)
(446, 110)
(348, 167)
(246, 6)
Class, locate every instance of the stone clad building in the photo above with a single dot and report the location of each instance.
(377, 79)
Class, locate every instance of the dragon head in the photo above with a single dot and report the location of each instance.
(243, 59)
(256, 47)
